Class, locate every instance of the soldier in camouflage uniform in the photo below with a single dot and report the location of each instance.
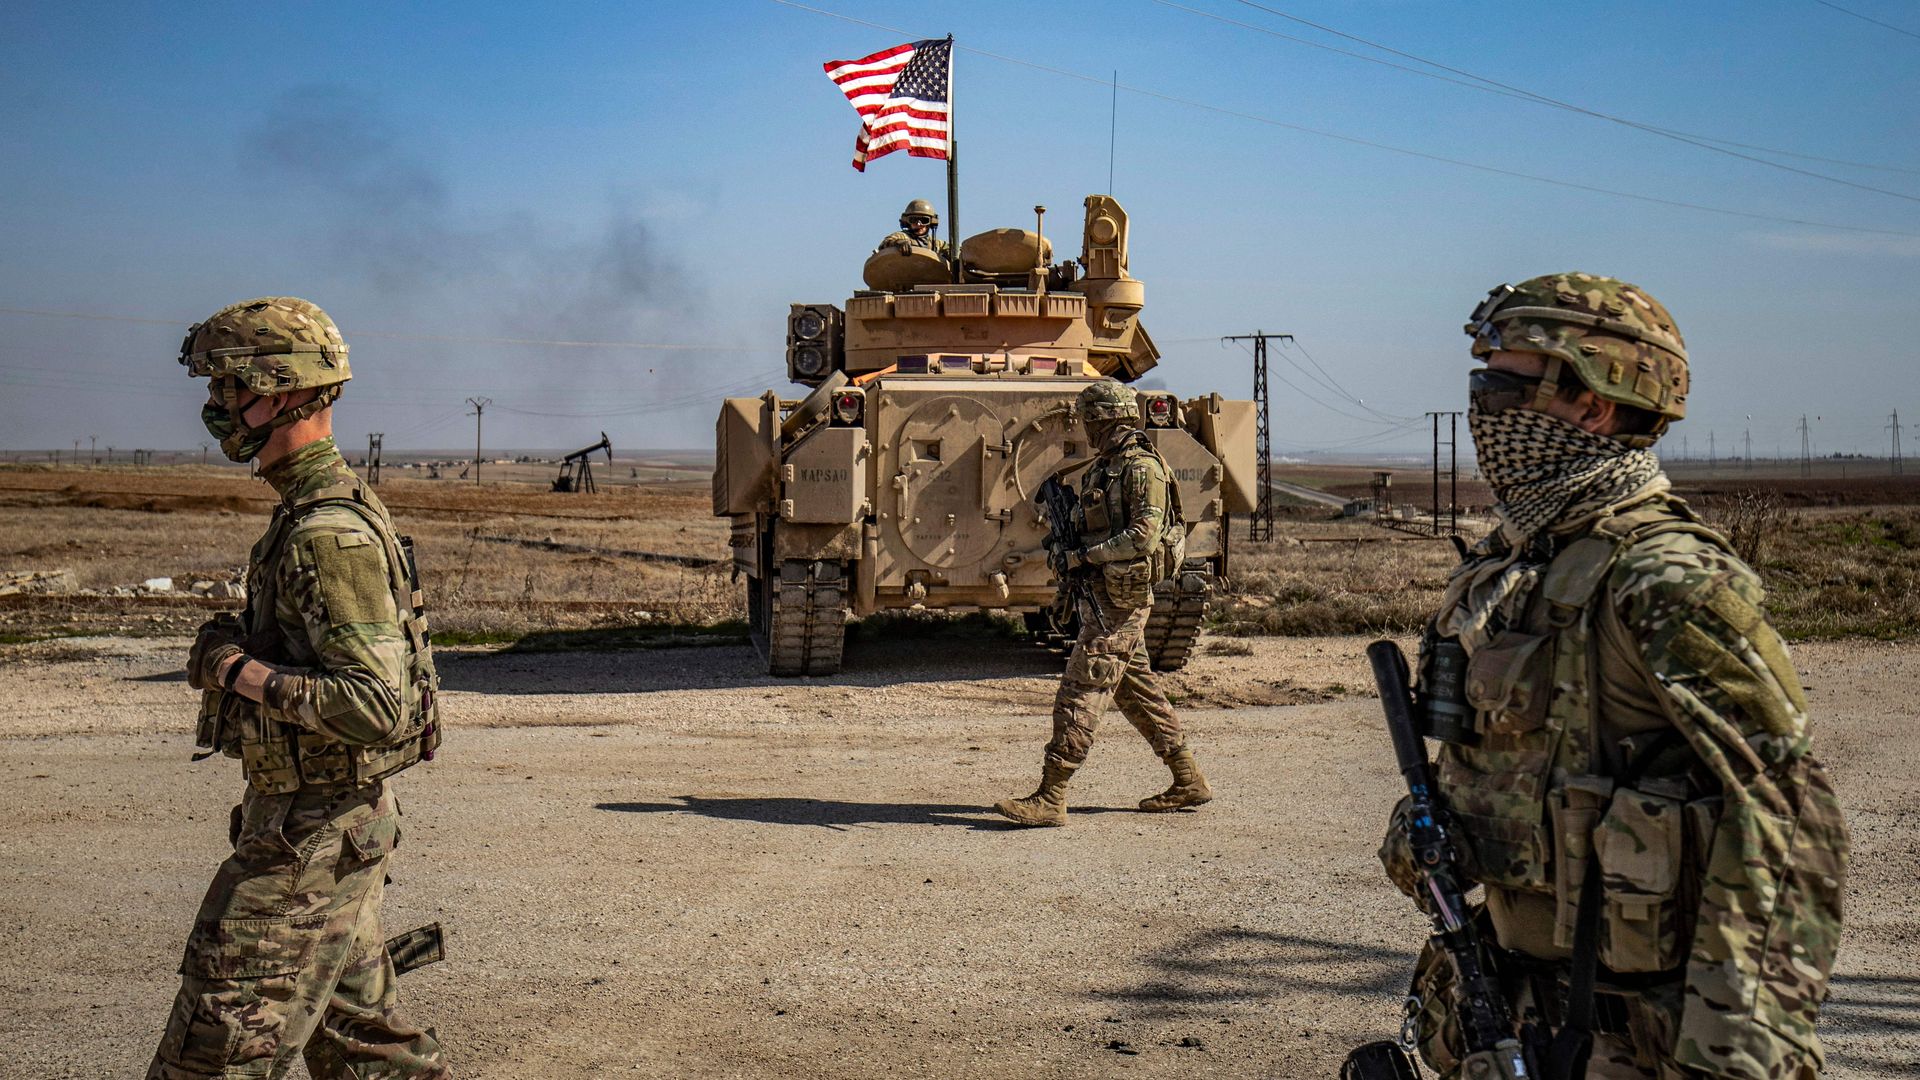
(919, 227)
(1132, 537)
(1625, 743)
(323, 690)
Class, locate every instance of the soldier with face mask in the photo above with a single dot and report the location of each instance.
(323, 690)
(1624, 757)
(919, 227)
(1129, 524)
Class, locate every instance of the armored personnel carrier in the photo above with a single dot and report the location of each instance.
(905, 478)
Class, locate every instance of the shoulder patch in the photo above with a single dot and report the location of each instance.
(350, 573)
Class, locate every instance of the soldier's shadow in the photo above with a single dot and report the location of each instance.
(1227, 965)
(1872, 1022)
(832, 814)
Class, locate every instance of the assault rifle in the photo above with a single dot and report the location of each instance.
(1486, 1024)
(1057, 500)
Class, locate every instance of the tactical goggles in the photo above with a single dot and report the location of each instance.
(917, 220)
(1491, 390)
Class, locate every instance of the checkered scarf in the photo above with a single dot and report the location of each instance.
(1548, 474)
(1543, 469)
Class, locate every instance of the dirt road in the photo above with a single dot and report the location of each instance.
(663, 864)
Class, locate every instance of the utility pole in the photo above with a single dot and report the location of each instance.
(1747, 462)
(479, 410)
(76, 452)
(1453, 471)
(1894, 426)
(1261, 526)
(203, 453)
(1713, 453)
(1806, 448)
(1686, 452)
(373, 456)
(93, 448)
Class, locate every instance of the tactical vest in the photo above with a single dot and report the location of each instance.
(279, 757)
(1104, 509)
(1575, 762)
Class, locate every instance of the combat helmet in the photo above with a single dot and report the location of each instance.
(1620, 342)
(1108, 400)
(272, 345)
(920, 208)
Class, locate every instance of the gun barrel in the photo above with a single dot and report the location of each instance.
(1396, 698)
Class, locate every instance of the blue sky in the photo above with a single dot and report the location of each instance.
(677, 173)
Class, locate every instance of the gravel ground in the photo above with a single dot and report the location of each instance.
(665, 864)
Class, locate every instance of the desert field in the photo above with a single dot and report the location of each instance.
(652, 859)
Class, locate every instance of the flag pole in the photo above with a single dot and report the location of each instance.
(953, 167)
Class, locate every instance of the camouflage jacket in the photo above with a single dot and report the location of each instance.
(902, 238)
(1126, 503)
(1641, 716)
(334, 615)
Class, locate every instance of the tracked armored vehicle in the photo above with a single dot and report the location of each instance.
(905, 478)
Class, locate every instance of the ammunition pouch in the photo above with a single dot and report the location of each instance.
(1098, 515)
(1509, 682)
(1641, 845)
(1129, 583)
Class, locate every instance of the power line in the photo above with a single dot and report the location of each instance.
(1876, 22)
(1295, 387)
(386, 335)
(1481, 82)
(1372, 144)
(1334, 384)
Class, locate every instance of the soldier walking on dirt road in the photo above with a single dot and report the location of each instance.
(323, 690)
(1624, 758)
(1131, 538)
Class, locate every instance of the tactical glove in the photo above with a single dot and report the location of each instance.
(218, 639)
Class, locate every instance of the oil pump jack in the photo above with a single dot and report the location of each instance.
(576, 469)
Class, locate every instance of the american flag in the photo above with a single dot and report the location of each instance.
(901, 95)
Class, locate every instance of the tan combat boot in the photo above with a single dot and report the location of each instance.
(1189, 787)
(1048, 804)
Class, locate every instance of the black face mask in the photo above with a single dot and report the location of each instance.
(1491, 390)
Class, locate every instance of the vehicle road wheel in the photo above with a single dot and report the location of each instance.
(1179, 607)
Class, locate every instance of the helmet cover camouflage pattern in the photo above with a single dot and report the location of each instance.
(1108, 400)
(1619, 341)
(920, 208)
(272, 345)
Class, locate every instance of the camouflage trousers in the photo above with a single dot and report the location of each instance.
(1111, 665)
(286, 958)
(1634, 1035)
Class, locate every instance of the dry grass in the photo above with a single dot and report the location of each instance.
(1841, 574)
(1831, 572)
(1332, 578)
(122, 526)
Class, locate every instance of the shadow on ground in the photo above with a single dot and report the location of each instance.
(872, 659)
(1872, 1024)
(1236, 965)
(831, 814)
